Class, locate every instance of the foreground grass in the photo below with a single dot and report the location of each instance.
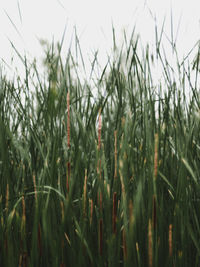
(110, 179)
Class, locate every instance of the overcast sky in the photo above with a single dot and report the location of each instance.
(24, 22)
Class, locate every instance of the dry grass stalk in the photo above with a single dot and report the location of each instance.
(101, 237)
(62, 247)
(156, 157)
(115, 174)
(39, 240)
(131, 217)
(99, 143)
(34, 184)
(99, 130)
(99, 168)
(68, 140)
(121, 164)
(124, 244)
(62, 210)
(99, 194)
(23, 260)
(67, 238)
(91, 211)
(154, 213)
(150, 244)
(107, 187)
(137, 247)
(114, 212)
(170, 240)
(100, 200)
(23, 253)
(68, 119)
(23, 216)
(23, 209)
(2, 219)
(7, 197)
(68, 175)
(85, 193)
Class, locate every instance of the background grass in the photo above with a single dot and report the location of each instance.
(101, 178)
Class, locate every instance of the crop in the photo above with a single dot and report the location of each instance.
(104, 177)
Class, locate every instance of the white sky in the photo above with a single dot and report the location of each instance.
(42, 19)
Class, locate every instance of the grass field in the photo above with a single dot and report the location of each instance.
(104, 178)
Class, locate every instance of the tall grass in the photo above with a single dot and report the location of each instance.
(109, 178)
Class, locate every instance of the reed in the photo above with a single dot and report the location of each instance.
(104, 177)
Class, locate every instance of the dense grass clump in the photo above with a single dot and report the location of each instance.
(104, 177)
